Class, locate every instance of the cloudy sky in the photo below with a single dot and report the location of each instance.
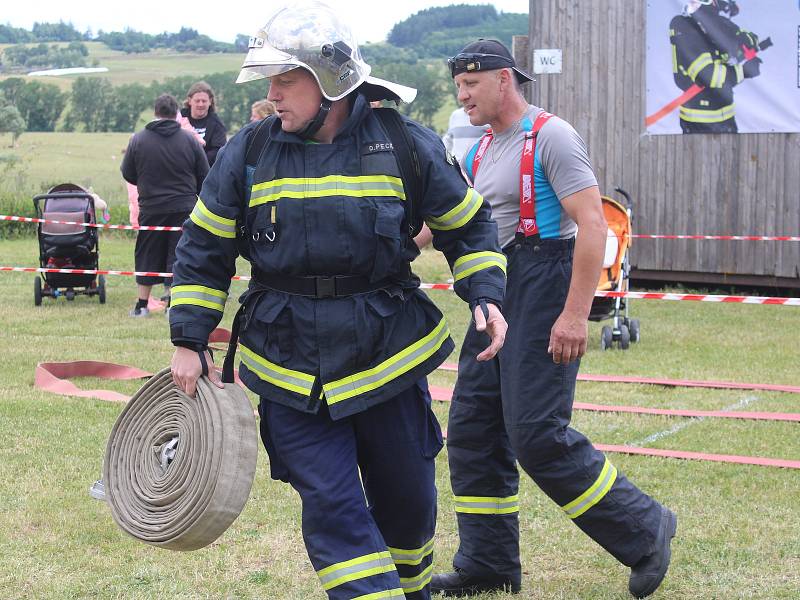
(219, 20)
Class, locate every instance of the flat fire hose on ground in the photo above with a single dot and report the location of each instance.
(178, 470)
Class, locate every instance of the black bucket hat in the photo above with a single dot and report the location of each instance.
(485, 55)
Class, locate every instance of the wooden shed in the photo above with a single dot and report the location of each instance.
(734, 184)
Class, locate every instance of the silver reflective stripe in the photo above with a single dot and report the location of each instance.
(699, 63)
(411, 557)
(321, 187)
(460, 215)
(198, 295)
(699, 115)
(213, 223)
(391, 368)
(477, 261)
(594, 494)
(415, 584)
(487, 505)
(357, 568)
(282, 377)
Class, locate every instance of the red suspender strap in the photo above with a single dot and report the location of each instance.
(527, 190)
(483, 146)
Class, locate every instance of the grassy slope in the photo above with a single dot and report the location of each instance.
(87, 159)
(738, 526)
(143, 68)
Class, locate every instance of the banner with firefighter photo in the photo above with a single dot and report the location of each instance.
(716, 66)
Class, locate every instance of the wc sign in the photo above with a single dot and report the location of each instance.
(547, 60)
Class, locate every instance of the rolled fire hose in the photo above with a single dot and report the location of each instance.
(178, 470)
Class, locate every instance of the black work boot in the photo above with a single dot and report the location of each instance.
(648, 573)
(460, 583)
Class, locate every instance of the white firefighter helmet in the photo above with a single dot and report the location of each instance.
(312, 36)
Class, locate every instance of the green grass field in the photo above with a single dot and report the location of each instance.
(738, 531)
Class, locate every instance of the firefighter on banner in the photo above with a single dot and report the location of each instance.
(711, 52)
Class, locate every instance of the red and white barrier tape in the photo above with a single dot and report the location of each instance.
(736, 238)
(101, 272)
(668, 296)
(97, 225)
(701, 298)
(449, 287)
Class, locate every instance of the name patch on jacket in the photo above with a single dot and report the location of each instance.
(373, 147)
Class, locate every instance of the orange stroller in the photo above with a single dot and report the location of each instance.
(615, 276)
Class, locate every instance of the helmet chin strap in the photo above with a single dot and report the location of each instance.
(317, 122)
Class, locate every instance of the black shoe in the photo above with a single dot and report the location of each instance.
(460, 583)
(648, 573)
(139, 311)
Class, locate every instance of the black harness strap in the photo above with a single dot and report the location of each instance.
(407, 160)
(257, 141)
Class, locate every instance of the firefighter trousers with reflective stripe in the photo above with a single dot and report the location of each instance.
(375, 540)
(530, 422)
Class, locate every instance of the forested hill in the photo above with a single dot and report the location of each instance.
(443, 31)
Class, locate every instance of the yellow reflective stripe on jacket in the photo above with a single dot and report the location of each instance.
(739, 69)
(213, 223)
(395, 594)
(332, 185)
(415, 584)
(594, 494)
(401, 556)
(487, 505)
(460, 215)
(699, 115)
(391, 368)
(356, 568)
(699, 63)
(720, 75)
(282, 377)
(477, 261)
(198, 295)
(674, 58)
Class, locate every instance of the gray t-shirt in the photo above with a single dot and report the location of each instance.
(561, 168)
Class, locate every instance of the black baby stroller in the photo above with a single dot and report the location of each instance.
(64, 246)
(615, 276)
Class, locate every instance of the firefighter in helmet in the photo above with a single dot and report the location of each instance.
(710, 51)
(335, 336)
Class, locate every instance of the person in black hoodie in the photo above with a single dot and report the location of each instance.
(200, 109)
(168, 166)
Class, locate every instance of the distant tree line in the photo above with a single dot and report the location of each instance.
(186, 40)
(93, 104)
(42, 56)
(413, 56)
(42, 32)
(442, 31)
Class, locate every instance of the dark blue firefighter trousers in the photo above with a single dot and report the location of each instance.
(529, 422)
(370, 539)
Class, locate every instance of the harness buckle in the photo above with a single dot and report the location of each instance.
(326, 286)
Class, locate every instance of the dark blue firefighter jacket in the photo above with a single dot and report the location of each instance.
(331, 209)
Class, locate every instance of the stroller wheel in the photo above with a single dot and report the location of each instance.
(624, 337)
(606, 337)
(37, 291)
(70, 294)
(101, 288)
(633, 326)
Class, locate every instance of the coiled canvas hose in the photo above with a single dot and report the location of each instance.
(178, 470)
